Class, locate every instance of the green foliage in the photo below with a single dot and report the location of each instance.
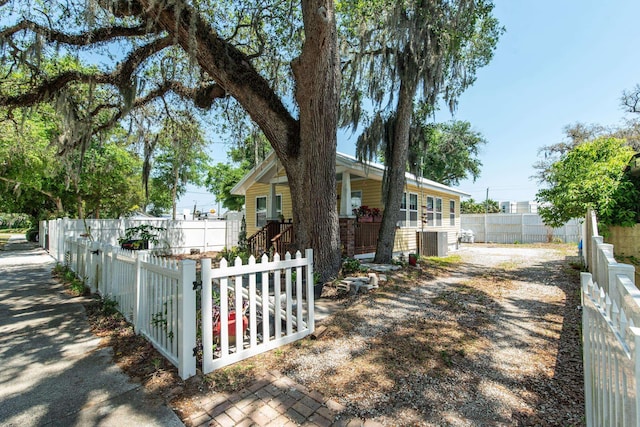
(222, 178)
(73, 283)
(107, 191)
(108, 306)
(8, 220)
(32, 235)
(350, 266)
(142, 233)
(591, 175)
(180, 160)
(242, 236)
(231, 254)
(472, 207)
(444, 152)
(31, 177)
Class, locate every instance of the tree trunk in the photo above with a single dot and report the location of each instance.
(306, 147)
(311, 174)
(395, 172)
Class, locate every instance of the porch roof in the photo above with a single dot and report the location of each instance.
(268, 170)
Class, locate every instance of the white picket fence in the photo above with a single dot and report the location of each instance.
(155, 294)
(611, 339)
(158, 296)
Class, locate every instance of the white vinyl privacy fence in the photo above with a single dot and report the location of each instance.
(273, 301)
(518, 228)
(611, 336)
(176, 238)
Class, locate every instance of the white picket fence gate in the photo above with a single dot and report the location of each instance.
(611, 339)
(274, 318)
(158, 296)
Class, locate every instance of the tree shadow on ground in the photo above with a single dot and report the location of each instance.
(53, 369)
(470, 347)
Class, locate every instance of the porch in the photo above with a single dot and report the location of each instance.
(356, 238)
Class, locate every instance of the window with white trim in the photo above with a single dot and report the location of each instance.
(413, 210)
(438, 212)
(402, 219)
(261, 211)
(408, 212)
(452, 212)
(429, 215)
(278, 205)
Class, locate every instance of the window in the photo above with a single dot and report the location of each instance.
(278, 205)
(452, 212)
(402, 220)
(261, 211)
(356, 199)
(438, 212)
(429, 211)
(408, 214)
(413, 210)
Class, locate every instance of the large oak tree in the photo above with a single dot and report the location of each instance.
(277, 60)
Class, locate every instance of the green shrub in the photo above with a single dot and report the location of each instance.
(109, 306)
(32, 235)
(350, 266)
(231, 254)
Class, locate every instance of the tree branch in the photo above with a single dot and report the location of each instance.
(126, 69)
(631, 100)
(83, 39)
(202, 96)
(120, 78)
(229, 67)
(54, 199)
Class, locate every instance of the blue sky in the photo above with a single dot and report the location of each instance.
(559, 62)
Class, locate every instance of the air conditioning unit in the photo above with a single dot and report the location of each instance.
(432, 243)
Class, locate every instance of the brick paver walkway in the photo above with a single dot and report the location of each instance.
(274, 400)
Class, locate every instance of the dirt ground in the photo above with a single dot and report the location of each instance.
(489, 336)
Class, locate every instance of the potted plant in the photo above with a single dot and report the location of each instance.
(137, 238)
(366, 214)
(231, 319)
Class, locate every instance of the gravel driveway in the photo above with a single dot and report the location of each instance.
(490, 340)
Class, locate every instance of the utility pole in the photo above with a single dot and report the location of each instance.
(486, 202)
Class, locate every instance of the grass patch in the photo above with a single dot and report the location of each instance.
(4, 238)
(14, 230)
(232, 378)
(441, 262)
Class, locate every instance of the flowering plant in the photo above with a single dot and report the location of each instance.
(366, 211)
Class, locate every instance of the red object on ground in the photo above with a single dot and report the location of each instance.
(413, 260)
(231, 329)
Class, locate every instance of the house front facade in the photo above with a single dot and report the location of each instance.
(427, 206)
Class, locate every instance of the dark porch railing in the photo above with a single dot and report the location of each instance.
(280, 235)
(274, 232)
(282, 241)
(366, 237)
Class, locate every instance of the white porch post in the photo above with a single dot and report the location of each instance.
(272, 207)
(345, 199)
